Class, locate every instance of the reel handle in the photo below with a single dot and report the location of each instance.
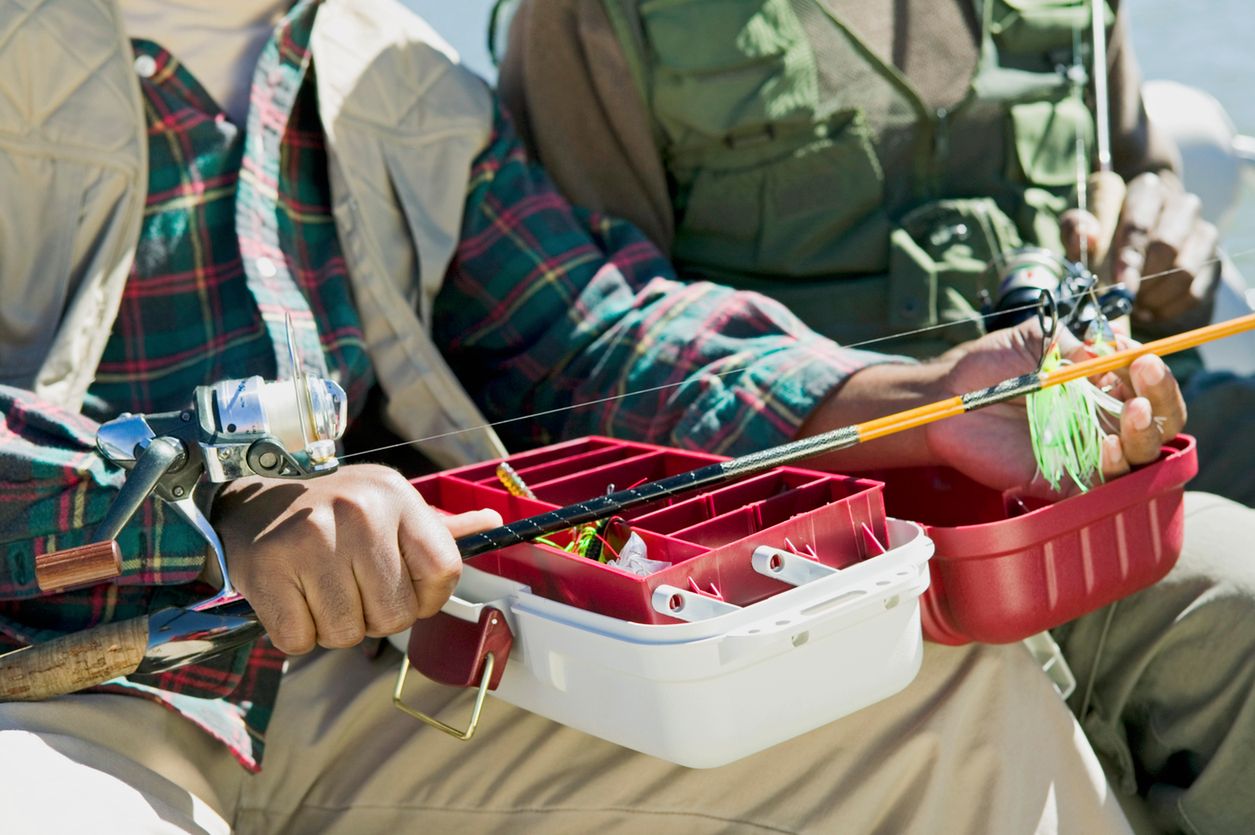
(1106, 190)
(85, 565)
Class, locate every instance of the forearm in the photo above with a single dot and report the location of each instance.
(546, 308)
(876, 391)
(1137, 146)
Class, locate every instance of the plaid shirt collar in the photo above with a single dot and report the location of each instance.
(281, 71)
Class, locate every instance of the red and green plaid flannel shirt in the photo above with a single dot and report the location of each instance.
(544, 307)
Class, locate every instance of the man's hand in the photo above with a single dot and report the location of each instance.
(992, 445)
(333, 559)
(1162, 237)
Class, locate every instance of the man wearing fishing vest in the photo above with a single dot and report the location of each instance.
(863, 163)
(865, 166)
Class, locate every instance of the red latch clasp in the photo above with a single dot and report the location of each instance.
(452, 651)
(449, 650)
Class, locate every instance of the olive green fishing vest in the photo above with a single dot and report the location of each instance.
(777, 126)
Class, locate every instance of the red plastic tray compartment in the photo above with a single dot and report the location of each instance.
(1006, 568)
(708, 536)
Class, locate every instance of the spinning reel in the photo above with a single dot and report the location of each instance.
(234, 428)
(1037, 282)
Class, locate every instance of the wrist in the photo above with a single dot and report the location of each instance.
(876, 391)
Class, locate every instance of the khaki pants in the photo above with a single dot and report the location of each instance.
(1166, 679)
(978, 743)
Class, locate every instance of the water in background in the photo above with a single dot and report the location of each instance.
(1208, 46)
(464, 24)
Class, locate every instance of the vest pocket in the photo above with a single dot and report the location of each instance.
(1041, 27)
(939, 264)
(1044, 135)
(39, 276)
(814, 210)
(722, 67)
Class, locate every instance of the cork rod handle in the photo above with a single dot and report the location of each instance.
(72, 662)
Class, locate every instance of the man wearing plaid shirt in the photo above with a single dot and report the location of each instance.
(332, 163)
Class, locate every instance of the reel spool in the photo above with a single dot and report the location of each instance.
(1033, 280)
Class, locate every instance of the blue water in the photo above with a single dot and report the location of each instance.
(1210, 46)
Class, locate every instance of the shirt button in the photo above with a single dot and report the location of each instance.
(266, 268)
(145, 66)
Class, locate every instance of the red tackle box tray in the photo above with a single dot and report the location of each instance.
(1006, 568)
(707, 535)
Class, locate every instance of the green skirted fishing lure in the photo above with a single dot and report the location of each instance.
(1066, 426)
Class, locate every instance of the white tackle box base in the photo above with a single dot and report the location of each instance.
(722, 687)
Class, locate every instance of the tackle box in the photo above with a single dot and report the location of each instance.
(790, 599)
(731, 682)
(743, 641)
(1007, 567)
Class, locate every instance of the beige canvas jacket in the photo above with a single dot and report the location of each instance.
(403, 122)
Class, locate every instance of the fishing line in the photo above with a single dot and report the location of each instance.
(664, 387)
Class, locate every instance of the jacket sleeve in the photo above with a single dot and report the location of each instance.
(566, 81)
(547, 307)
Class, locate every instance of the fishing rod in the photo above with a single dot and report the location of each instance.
(180, 635)
(1106, 188)
(602, 507)
(1102, 96)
